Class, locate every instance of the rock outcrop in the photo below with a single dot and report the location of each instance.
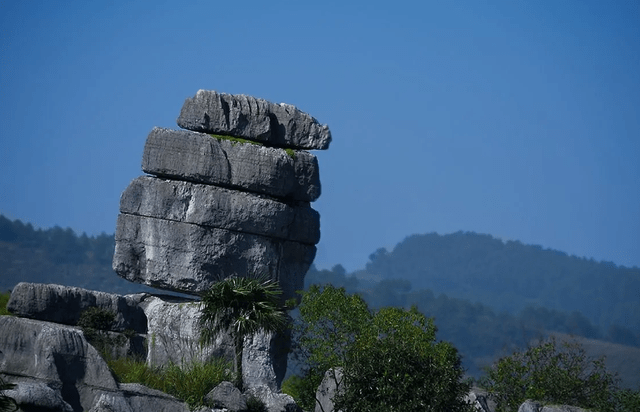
(229, 196)
(64, 305)
(235, 203)
(279, 125)
(54, 364)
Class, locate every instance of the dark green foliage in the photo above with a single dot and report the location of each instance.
(551, 373)
(4, 299)
(255, 405)
(627, 400)
(390, 358)
(96, 324)
(96, 318)
(397, 365)
(7, 404)
(241, 306)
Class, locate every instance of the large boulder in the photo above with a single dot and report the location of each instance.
(217, 207)
(280, 125)
(64, 305)
(264, 359)
(227, 396)
(190, 258)
(200, 158)
(37, 396)
(173, 335)
(534, 406)
(274, 401)
(59, 356)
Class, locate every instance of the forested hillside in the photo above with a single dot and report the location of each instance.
(510, 276)
(59, 256)
(479, 332)
(451, 278)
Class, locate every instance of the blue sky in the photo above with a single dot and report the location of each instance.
(520, 119)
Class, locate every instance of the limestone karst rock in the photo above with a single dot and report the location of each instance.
(256, 119)
(64, 304)
(236, 203)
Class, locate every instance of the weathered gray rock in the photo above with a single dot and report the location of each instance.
(535, 406)
(173, 335)
(56, 355)
(111, 402)
(64, 304)
(190, 258)
(480, 400)
(213, 206)
(36, 396)
(264, 360)
(200, 158)
(143, 399)
(227, 396)
(530, 406)
(331, 385)
(280, 125)
(274, 401)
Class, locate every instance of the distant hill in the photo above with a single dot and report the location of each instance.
(487, 297)
(59, 256)
(510, 276)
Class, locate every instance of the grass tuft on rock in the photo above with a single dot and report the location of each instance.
(189, 382)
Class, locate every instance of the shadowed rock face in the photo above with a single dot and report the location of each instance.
(220, 206)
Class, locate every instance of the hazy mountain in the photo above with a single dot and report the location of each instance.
(510, 276)
(487, 297)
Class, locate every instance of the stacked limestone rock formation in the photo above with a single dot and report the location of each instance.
(228, 196)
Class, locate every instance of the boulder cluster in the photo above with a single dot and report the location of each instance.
(228, 196)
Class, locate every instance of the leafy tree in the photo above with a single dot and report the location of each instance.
(242, 306)
(551, 373)
(390, 359)
(330, 320)
(397, 365)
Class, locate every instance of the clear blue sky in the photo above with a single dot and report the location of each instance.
(519, 119)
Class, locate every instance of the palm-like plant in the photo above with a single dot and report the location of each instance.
(242, 306)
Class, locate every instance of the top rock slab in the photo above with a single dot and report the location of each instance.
(280, 125)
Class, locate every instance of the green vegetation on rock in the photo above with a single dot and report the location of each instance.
(4, 299)
(189, 383)
(235, 140)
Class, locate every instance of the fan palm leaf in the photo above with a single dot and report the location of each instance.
(241, 306)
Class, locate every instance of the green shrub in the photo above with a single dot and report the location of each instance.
(96, 324)
(390, 358)
(4, 299)
(255, 405)
(96, 318)
(235, 140)
(189, 383)
(627, 400)
(551, 373)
